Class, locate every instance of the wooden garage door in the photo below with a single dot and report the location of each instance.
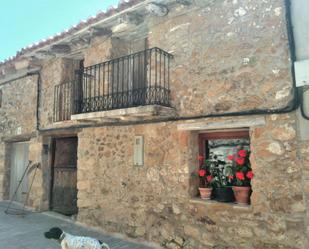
(18, 162)
(64, 189)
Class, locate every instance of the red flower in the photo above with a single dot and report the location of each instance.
(230, 157)
(231, 177)
(240, 176)
(200, 158)
(209, 178)
(240, 161)
(242, 153)
(202, 172)
(250, 174)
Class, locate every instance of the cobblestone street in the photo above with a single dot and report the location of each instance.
(17, 232)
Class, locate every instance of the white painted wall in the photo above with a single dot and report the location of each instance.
(300, 20)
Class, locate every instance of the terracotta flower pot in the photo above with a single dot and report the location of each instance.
(205, 193)
(242, 194)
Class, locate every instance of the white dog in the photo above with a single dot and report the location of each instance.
(69, 241)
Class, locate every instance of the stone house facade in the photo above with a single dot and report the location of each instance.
(215, 66)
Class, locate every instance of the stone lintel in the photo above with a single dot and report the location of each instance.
(231, 123)
(17, 138)
(125, 114)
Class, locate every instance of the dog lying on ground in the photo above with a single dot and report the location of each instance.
(69, 241)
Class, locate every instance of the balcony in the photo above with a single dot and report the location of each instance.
(108, 89)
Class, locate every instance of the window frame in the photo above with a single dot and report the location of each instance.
(232, 134)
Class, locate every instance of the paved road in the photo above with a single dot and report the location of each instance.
(26, 232)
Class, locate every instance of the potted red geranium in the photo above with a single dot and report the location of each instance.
(242, 175)
(205, 179)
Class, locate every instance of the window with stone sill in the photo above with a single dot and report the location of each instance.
(221, 144)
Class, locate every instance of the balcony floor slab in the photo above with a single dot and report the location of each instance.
(140, 113)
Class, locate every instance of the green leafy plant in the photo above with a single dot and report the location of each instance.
(215, 172)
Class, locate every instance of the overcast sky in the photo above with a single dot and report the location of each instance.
(23, 22)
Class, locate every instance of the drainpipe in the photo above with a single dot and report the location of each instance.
(302, 96)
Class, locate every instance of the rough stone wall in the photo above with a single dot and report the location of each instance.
(105, 48)
(98, 52)
(303, 154)
(36, 175)
(17, 119)
(154, 201)
(18, 122)
(18, 110)
(229, 55)
(54, 72)
(4, 170)
(105, 168)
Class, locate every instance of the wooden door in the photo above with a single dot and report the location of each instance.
(64, 189)
(18, 163)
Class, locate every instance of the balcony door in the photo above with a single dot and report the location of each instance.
(137, 78)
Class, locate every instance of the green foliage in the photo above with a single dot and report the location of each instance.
(219, 170)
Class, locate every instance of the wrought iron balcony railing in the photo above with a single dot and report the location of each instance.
(138, 79)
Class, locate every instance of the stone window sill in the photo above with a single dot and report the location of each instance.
(220, 205)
